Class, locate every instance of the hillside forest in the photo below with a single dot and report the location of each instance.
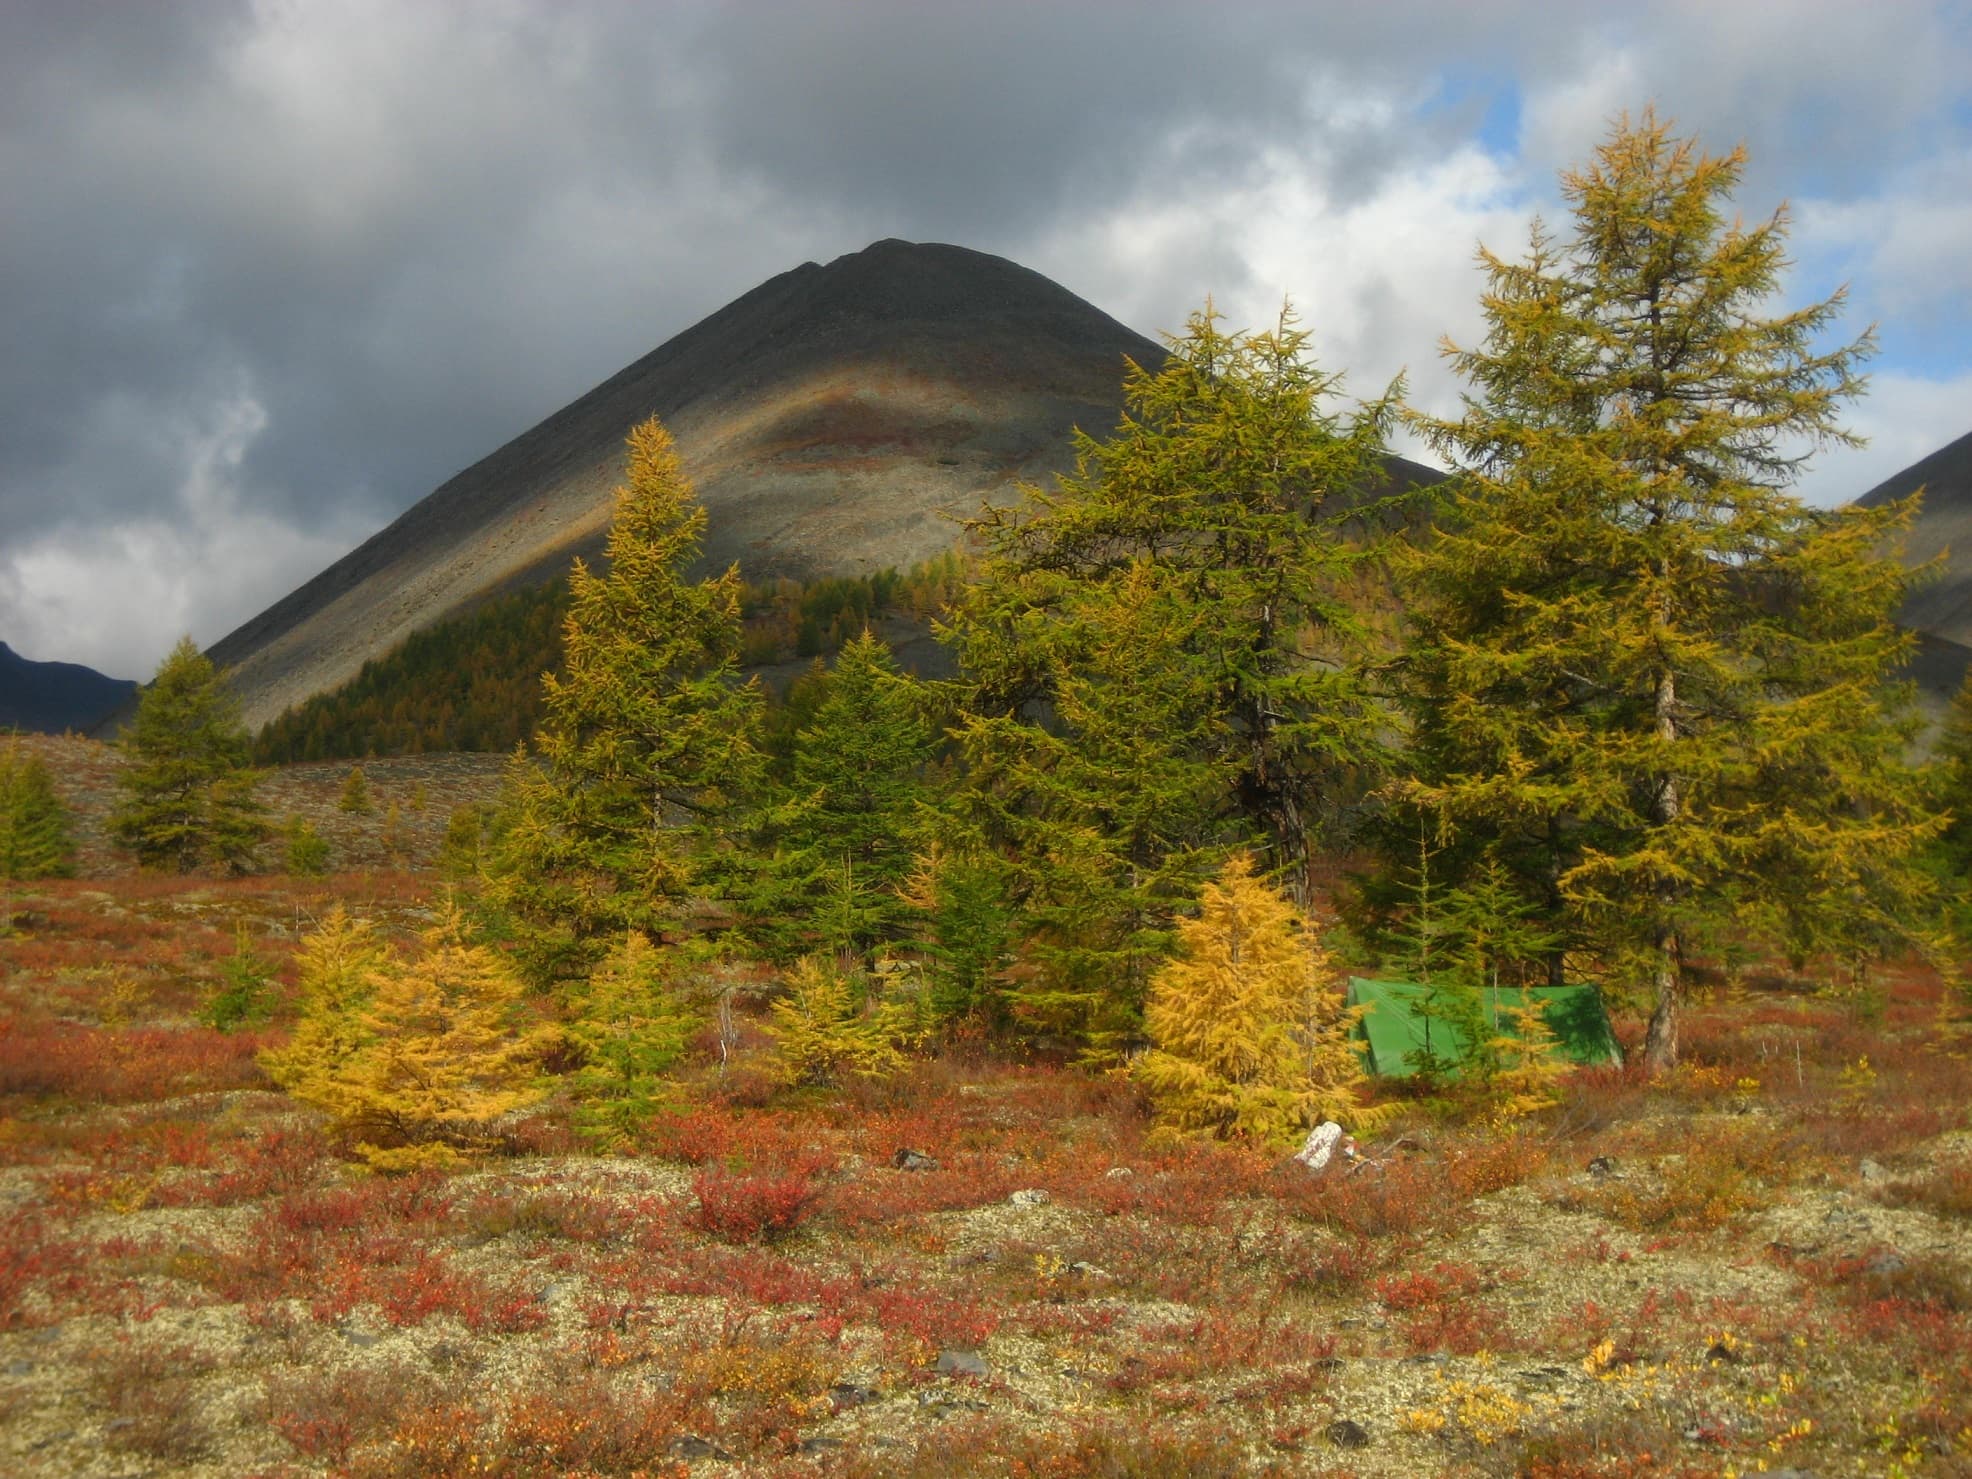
(1218, 721)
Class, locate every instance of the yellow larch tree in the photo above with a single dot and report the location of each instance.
(439, 1056)
(1251, 1040)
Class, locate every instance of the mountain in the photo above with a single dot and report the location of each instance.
(54, 697)
(1941, 610)
(832, 419)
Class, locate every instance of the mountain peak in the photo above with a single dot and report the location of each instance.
(835, 419)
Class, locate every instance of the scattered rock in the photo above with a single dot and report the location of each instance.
(961, 1363)
(1031, 1196)
(1344, 1433)
(940, 1405)
(1322, 1145)
(688, 1445)
(907, 1159)
(847, 1394)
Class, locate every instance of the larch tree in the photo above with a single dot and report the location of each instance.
(336, 966)
(34, 828)
(1644, 679)
(1159, 653)
(188, 793)
(646, 743)
(629, 1025)
(439, 1053)
(1250, 1039)
(839, 845)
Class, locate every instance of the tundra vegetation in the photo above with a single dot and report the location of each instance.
(896, 1078)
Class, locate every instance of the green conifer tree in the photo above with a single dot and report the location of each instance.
(647, 741)
(307, 849)
(355, 797)
(630, 1027)
(1641, 674)
(842, 842)
(188, 796)
(1159, 657)
(34, 827)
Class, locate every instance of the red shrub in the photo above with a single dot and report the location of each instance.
(28, 1254)
(744, 1209)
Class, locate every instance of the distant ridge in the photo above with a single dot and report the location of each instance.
(54, 697)
(1943, 608)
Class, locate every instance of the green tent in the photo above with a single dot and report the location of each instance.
(1394, 1029)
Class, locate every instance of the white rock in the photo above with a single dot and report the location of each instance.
(1321, 1145)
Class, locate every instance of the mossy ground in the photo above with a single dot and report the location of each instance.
(1764, 1259)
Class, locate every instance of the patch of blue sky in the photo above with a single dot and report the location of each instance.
(1491, 98)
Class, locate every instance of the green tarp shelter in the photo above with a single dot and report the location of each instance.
(1394, 1029)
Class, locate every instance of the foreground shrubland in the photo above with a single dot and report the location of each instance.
(976, 1266)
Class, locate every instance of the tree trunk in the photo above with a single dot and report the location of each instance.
(1660, 1041)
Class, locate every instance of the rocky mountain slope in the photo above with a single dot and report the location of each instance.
(834, 418)
(1940, 611)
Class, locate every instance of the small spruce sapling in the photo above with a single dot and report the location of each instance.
(630, 1027)
(307, 849)
(355, 797)
(244, 997)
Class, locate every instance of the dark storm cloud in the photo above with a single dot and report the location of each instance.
(274, 270)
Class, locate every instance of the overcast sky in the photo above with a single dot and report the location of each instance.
(273, 271)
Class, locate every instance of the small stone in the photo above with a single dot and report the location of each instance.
(1031, 1196)
(1603, 1165)
(961, 1363)
(819, 1444)
(1321, 1145)
(361, 1339)
(1118, 1173)
(1885, 1264)
(907, 1159)
(688, 1445)
(846, 1394)
(1869, 1170)
(1344, 1433)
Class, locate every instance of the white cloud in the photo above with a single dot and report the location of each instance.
(1906, 418)
(116, 595)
